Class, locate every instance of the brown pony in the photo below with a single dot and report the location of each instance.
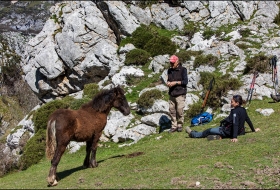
(84, 124)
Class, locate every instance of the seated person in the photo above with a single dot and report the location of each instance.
(230, 127)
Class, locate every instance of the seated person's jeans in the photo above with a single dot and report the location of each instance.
(205, 133)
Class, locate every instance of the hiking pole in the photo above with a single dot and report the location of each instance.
(273, 63)
(207, 94)
(251, 89)
(275, 76)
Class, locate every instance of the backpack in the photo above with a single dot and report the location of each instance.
(202, 118)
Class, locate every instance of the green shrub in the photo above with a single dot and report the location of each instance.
(209, 59)
(141, 36)
(243, 46)
(160, 45)
(158, 31)
(152, 40)
(205, 78)
(220, 88)
(148, 98)
(226, 83)
(127, 40)
(189, 30)
(11, 73)
(34, 150)
(67, 99)
(258, 63)
(208, 33)
(40, 117)
(193, 110)
(195, 53)
(90, 90)
(183, 56)
(13, 69)
(226, 29)
(137, 57)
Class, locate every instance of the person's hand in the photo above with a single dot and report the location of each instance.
(170, 84)
(234, 140)
(257, 129)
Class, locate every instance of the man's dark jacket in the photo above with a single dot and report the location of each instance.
(178, 74)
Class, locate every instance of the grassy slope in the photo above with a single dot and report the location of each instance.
(11, 112)
(173, 161)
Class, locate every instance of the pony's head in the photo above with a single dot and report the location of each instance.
(120, 101)
(107, 99)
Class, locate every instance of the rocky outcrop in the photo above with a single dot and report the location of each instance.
(79, 43)
(26, 17)
(77, 48)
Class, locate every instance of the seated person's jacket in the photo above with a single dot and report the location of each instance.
(233, 125)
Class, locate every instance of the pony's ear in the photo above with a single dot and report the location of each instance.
(116, 90)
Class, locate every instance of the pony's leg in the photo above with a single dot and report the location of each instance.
(93, 162)
(52, 178)
(88, 148)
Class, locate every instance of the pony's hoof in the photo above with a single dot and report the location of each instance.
(94, 165)
(53, 184)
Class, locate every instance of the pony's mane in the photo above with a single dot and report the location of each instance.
(101, 101)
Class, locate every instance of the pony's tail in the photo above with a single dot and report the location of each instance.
(50, 140)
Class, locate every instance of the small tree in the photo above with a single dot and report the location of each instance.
(141, 36)
(258, 63)
(183, 55)
(40, 117)
(137, 57)
(148, 98)
(90, 90)
(160, 45)
(206, 60)
(220, 88)
(34, 150)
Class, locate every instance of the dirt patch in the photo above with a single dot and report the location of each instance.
(134, 154)
(183, 181)
(249, 184)
(222, 165)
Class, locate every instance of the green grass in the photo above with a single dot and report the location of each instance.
(173, 161)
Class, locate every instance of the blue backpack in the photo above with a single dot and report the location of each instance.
(202, 118)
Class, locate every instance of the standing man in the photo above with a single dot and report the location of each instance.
(177, 82)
